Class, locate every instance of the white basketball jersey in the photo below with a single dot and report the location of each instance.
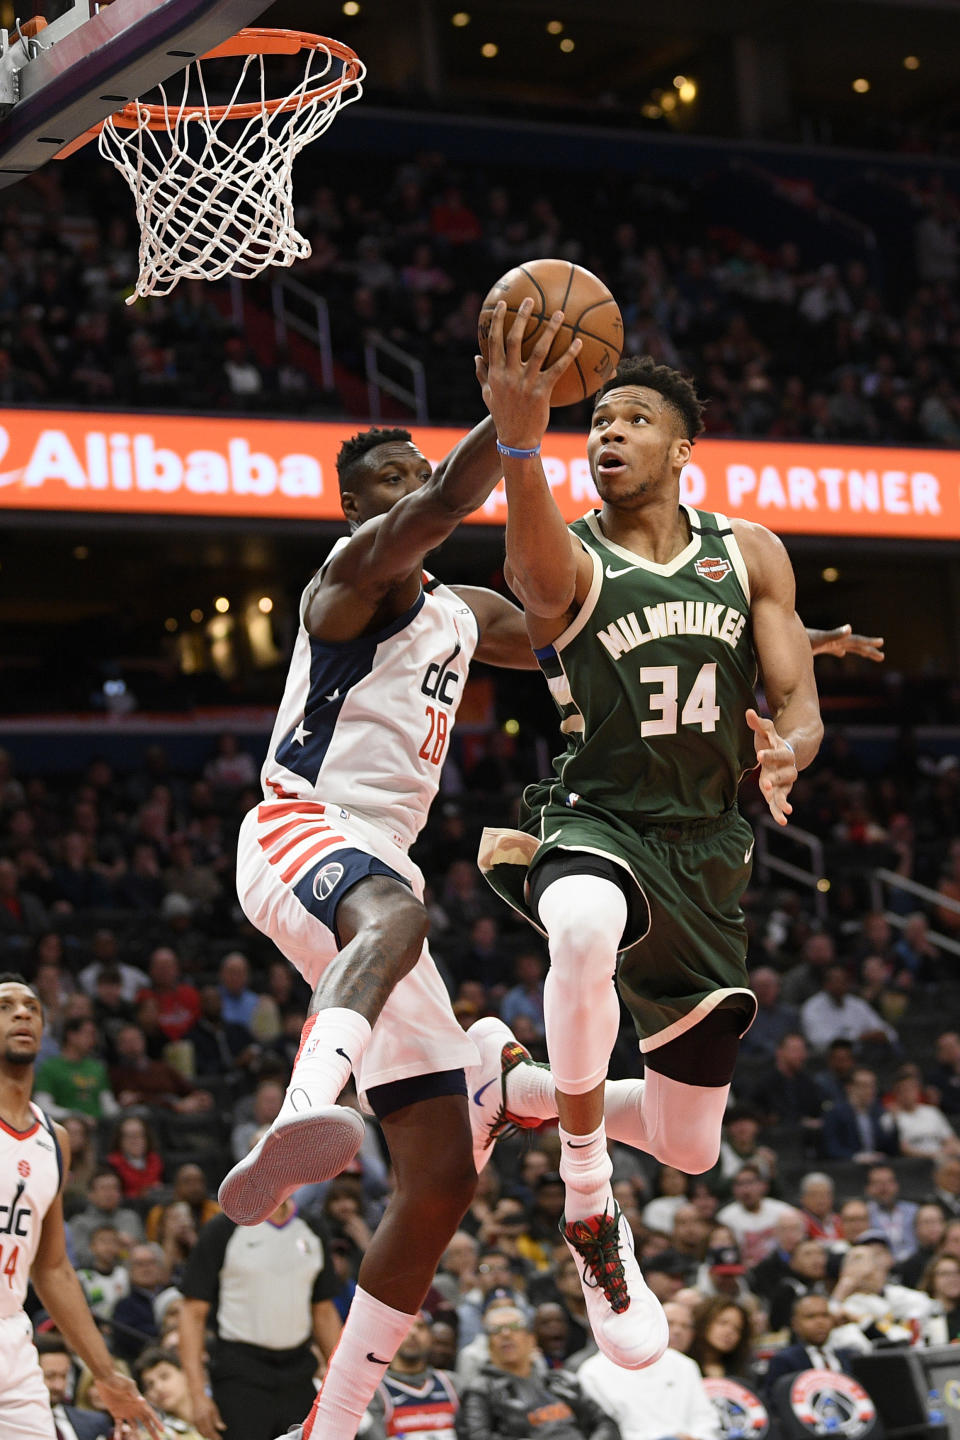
(365, 724)
(29, 1180)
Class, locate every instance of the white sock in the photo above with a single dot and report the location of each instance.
(331, 1047)
(532, 1093)
(372, 1335)
(586, 1169)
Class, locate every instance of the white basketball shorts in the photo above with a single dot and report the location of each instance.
(25, 1412)
(296, 859)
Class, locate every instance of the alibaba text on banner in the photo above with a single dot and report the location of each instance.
(286, 469)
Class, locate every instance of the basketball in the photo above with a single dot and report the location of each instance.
(589, 311)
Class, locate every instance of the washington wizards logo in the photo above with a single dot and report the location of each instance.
(327, 879)
(713, 568)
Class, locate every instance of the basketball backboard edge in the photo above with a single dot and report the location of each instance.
(89, 63)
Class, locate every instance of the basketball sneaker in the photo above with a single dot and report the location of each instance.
(304, 1145)
(490, 1116)
(627, 1319)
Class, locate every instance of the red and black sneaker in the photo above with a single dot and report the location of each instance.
(627, 1319)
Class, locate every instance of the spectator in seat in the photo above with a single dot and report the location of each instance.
(666, 1398)
(945, 1075)
(526, 996)
(774, 1019)
(946, 1187)
(806, 1276)
(510, 1397)
(190, 1188)
(752, 1215)
(110, 1010)
(741, 1144)
(105, 1279)
(58, 1368)
(924, 1131)
(21, 914)
(266, 1106)
(162, 1382)
(941, 1281)
(786, 1093)
(805, 979)
(789, 1230)
(142, 1081)
(929, 1227)
(135, 1157)
(75, 1079)
(135, 1324)
(132, 979)
(178, 1004)
(811, 1325)
(413, 1397)
(103, 1207)
(833, 1079)
(860, 1129)
(834, 1014)
(892, 1217)
(816, 1204)
(176, 1236)
(242, 1006)
(721, 1343)
(864, 1294)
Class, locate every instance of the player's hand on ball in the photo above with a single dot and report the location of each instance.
(778, 766)
(517, 391)
(127, 1405)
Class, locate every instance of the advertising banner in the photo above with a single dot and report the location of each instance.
(285, 470)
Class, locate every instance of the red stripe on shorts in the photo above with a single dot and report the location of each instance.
(289, 807)
(265, 841)
(301, 860)
(298, 839)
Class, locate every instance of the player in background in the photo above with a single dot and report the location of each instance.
(649, 620)
(34, 1158)
(353, 765)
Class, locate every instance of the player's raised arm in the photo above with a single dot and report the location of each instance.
(503, 639)
(788, 742)
(544, 562)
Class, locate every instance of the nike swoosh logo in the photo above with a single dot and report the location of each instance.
(345, 1055)
(375, 1359)
(572, 1145)
(612, 574)
(748, 852)
(478, 1094)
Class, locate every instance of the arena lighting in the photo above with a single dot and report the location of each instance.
(170, 624)
(351, 7)
(679, 81)
(911, 62)
(264, 604)
(823, 885)
(830, 574)
(196, 616)
(567, 45)
(221, 604)
(554, 27)
(460, 19)
(511, 727)
(80, 552)
(489, 50)
(861, 85)
(650, 111)
(668, 101)
(688, 91)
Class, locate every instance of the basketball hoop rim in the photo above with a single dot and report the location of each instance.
(250, 41)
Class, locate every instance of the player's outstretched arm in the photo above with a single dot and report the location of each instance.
(547, 569)
(55, 1281)
(786, 743)
(842, 641)
(503, 631)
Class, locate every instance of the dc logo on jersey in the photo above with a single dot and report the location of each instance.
(440, 681)
(326, 880)
(23, 1168)
(712, 567)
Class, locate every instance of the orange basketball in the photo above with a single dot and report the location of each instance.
(589, 311)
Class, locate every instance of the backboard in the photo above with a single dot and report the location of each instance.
(91, 61)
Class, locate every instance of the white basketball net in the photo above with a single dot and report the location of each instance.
(214, 197)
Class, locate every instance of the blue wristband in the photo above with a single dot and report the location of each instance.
(516, 454)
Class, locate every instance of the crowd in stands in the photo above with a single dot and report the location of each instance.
(840, 334)
(831, 1221)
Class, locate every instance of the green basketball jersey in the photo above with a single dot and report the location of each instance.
(653, 677)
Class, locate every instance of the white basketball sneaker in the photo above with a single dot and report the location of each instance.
(490, 1117)
(627, 1319)
(304, 1145)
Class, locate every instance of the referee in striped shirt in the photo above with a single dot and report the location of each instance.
(265, 1291)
